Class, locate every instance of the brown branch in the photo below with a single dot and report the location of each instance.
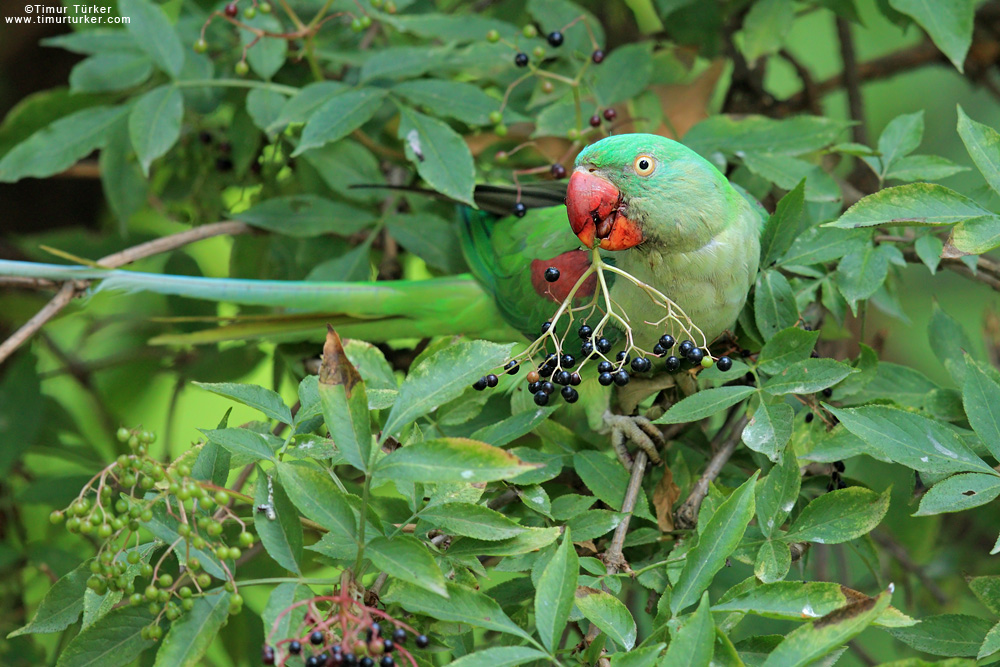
(28, 283)
(687, 514)
(898, 551)
(852, 80)
(987, 271)
(613, 559)
(71, 289)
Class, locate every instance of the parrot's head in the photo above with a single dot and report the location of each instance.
(632, 188)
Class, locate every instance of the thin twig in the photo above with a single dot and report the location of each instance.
(852, 81)
(70, 289)
(687, 514)
(898, 551)
(613, 559)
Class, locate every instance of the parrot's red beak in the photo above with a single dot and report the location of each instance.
(597, 215)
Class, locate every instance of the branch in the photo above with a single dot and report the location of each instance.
(987, 271)
(687, 514)
(613, 559)
(71, 289)
(852, 81)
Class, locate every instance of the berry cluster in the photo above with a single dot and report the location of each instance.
(339, 630)
(116, 504)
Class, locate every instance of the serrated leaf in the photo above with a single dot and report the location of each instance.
(281, 598)
(704, 403)
(453, 99)
(839, 516)
(152, 32)
(959, 493)
(759, 134)
(807, 376)
(769, 429)
(928, 248)
(510, 429)
(977, 235)
(693, 643)
(278, 527)
(981, 398)
(774, 559)
(786, 347)
(268, 55)
(306, 216)
(913, 204)
(259, 398)
(265, 106)
(983, 144)
(592, 524)
(407, 558)
(440, 154)
(949, 24)
(164, 527)
(105, 72)
(717, 541)
(190, 636)
(991, 643)
(472, 520)
(923, 168)
(61, 605)
(455, 460)
(529, 541)
(555, 592)
(783, 226)
(112, 641)
(987, 589)
(300, 107)
(624, 73)
(777, 493)
(339, 116)
(950, 635)
(774, 304)
(861, 273)
(345, 403)
(461, 606)
(608, 613)
(154, 124)
(315, 494)
(243, 442)
(900, 137)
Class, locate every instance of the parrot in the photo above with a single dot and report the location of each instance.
(657, 209)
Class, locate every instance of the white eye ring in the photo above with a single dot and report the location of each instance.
(644, 165)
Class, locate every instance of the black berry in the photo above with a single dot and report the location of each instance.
(605, 367)
(294, 647)
(546, 326)
(555, 38)
(322, 658)
(610, 114)
(547, 387)
(399, 635)
(231, 10)
(641, 364)
(552, 360)
(667, 341)
(350, 660)
(422, 641)
(623, 357)
(558, 171)
(567, 361)
(223, 165)
(388, 646)
(316, 638)
(809, 417)
(533, 387)
(595, 120)
(724, 363)
(479, 384)
(659, 350)
(685, 347)
(562, 377)
(512, 367)
(575, 379)
(586, 349)
(267, 654)
(521, 59)
(205, 137)
(551, 274)
(569, 394)
(621, 378)
(541, 398)
(312, 661)
(386, 661)
(597, 56)
(585, 331)
(519, 208)
(838, 465)
(603, 344)
(696, 355)
(546, 371)
(367, 662)
(673, 364)
(827, 393)
(605, 379)
(841, 484)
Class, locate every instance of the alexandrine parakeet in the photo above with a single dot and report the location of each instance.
(658, 210)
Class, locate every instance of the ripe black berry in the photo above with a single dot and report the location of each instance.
(546, 387)
(605, 379)
(546, 326)
(552, 360)
(567, 361)
(205, 137)
(673, 364)
(621, 378)
(511, 367)
(827, 393)
(610, 114)
(316, 638)
(585, 331)
(350, 660)
(575, 379)
(541, 398)
(374, 631)
(685, 347)
(294, 647)
(838, 465)
(570, 394)
(479, 384)
(724, 364)
(595, 120)
(521, 59)
(223, 165)
(562, 377)
(399, 635)
(597, 56)
(367, 662)
(605, 367)
(747, 353)
(555, 38)
(551, 274)
(267, 654)
(533, 387)
(231, 10)
(546, 371)
(322, 658)
(519, 208)
(809, 417)
(667, 341)
(313, 661)
(641, 364)
(623, 357)
(492, 380)
(603, 344)
(659, 350)
(386, 661)
(586, 349)
(422, 641)
(388, 646)
(696, 355)
(558, 171)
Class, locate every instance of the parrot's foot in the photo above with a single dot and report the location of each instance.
(638, 430)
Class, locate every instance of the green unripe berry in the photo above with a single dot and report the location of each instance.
(234, 552)
(390, 7)
(94, 582)
(146, 483)
(707, 362)
(95, 519)
(265, 7)
(222, 553)
(493, 36)
(133, 525)
(249, 13)
(146, 516)
(106, 493)
(133, 441)
(121, 506)
(141, 451)
(106, 557)
(154, 609)
(172, 612)
(104, 531)
(155, 632)
(95, 567)
(162, 596)
(146, 570)
(86, 528)
(185, 592)
(538, 52)
(122, 461)
(73, 524)
(123, 433)
(133, 557)
(500, 130)
(356, 25)
(204, 580)
(117, 524)
(198, 542)
(246, 539)
(529, 31)
(241, 68)
(237, 599)
(221, 498)
(148, 437)
(573, 134)
(229, 586)
(174, 488)
(366, 21)
(80, 507)
(184, 470)
(135, 511)
(187, 605)
(135, 599)
(152, 593)
(194, 564)
(214, 529)
(165, 580)
(128, 480)
(200, 46)
(184, 529)
(56, 517)
(184, 493)
(496, 117)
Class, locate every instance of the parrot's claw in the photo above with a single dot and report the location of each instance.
(637, 429)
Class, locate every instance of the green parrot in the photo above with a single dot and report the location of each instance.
(655, 208)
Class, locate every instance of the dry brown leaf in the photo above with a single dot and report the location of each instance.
(336, 368)
(664, 496)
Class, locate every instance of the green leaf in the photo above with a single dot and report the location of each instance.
(440, 154)
(759, 134)
(774, 304)
(774, 559)
(949, 24)
(265, 106)
(106, 72)
(959, 493)
(278, 526)
(430, 237)
(153, 33)
(531, 540)
(977, 235)
(441, 378)
(953, 357)
(928, 248)
(305, 216)
(592, 524)
(450, 460)
(252, 395)
(798, 601)
(555, 593)
(950, 635)
(154, 124)
(461, 606)
(317, 496)
(242, 441)
(268, 55)
(983, 144)
(499, 656)
(765, 27)
(813, 640)
(510, 429)
(124, 186)
(407, 558)
(923, 168)
(61, 605)
(912, 440)
(900, 137)
(861, 273)
(823, 244)
(991, 644)
(608, 481)
(345, 403)
(190, 636)
(784, 225)
(704, 403)
(694, 642)
(93, 41)
(340, 116)
(624, 73)
(839, 516)
(352, 266)
(472, 520)
(987, 589)
(807, 376)
(300, 107)
(777, 493)
(769, 429)
(454, 99)
(717, 541)
(913, 204)
(112, 641)
(58, 146)
(608, 613)
(786, 347)
(282, 597)
(787, 172)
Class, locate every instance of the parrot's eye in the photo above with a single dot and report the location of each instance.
(644, 165)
